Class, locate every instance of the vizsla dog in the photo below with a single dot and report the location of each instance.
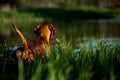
(40, 45)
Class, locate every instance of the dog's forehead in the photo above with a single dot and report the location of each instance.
(47, 26)
(43, 26)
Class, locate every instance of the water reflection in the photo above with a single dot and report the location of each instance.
(90, 29)
(75, 31)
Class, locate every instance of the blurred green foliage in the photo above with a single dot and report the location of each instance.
(65, 64)
(77, 9)
(64, 3)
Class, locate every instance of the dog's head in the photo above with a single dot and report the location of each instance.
(45, 28)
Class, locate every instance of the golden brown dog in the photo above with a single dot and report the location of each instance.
(44, 32)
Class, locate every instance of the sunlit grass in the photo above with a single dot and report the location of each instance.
(64, 63)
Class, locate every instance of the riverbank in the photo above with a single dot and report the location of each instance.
(60, 14)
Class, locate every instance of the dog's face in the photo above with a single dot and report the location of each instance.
(45, 28)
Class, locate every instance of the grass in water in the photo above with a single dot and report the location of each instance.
(64, 63)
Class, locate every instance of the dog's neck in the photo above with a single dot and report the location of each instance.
(44, 38)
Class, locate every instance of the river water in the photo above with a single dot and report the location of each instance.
(75, 31)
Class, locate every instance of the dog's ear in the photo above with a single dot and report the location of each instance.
(36, 29)
(52, 30)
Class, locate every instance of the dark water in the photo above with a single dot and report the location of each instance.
(98, 29)
(75, 31)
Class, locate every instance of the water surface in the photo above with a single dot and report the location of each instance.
(76, 31)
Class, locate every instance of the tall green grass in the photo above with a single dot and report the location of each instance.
(66, 64)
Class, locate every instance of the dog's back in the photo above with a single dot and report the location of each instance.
(44, 32)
